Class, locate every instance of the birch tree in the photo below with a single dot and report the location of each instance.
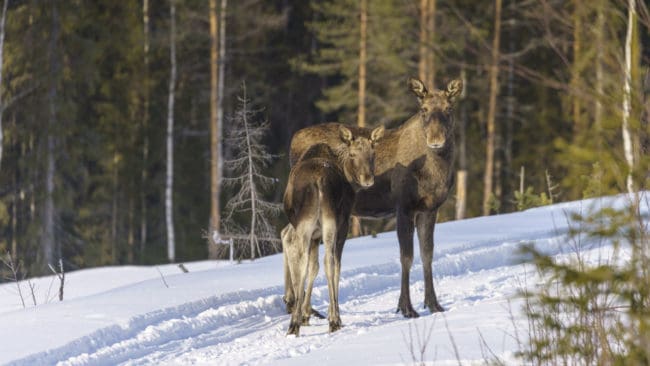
(249, 158)
(627, 93)
(215, 129)
(169, 215)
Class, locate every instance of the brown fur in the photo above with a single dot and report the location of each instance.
(413, 176)
(317, 201)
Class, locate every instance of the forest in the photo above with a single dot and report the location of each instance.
(145, 132)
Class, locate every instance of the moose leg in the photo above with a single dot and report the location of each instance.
(312, 273)
(405, 228)
(329, 239)
(299, 262)
(287, 236)
(425, 224)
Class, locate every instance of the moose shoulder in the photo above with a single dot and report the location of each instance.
(413, 176)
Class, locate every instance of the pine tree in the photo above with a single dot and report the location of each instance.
(249, 159)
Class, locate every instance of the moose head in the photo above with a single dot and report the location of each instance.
(359, 156)
(436, 109)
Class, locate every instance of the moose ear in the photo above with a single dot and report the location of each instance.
(345, 134)
(418, 88)
(377, 134)
(454, 89)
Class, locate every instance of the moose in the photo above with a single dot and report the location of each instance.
(318, 201)
(413, 177)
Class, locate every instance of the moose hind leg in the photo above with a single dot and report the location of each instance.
(425, 225)
(299, 261)
(287, 246)
(405, 228)
(307, 310)
(329, 239)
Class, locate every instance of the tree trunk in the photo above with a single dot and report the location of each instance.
(575, 73)
(600, 40)
(131, 233)
(361, 115)
(627, 94)
(115, 182)
(171, 250)
(3, 19)
(461, 175)
(426, 70)
(215, 133)
(506, 201)
(251, 177)
(48, 241)
(145, 133)
(489, 150)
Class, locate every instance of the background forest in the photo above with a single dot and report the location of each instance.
(121, 119)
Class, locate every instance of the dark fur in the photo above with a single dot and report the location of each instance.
(413, 177)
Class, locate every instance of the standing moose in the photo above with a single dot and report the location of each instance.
(413, 177)
(317, 201)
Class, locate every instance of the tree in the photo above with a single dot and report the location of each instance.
(48, 239)
(627, 92)
(426, 64)
(217, 50)
(488, 179)
(169, 182)
(249, 158)
(3, 19)
(145, 124)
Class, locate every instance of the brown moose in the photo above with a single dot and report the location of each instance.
(413, 176)
(317, 201)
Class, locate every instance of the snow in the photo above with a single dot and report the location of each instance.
(233, 314)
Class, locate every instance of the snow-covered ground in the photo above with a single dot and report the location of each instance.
(232, 314)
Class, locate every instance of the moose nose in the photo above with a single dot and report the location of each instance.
(367, 181)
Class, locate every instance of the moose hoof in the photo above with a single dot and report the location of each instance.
(335, 325)
(408, 312)
(294, 329)
(435, 308)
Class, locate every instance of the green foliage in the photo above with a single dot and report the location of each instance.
(529, 199)
(593, 313)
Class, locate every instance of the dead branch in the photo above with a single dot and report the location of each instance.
(14, 268)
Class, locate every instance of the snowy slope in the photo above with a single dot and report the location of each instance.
(223, 314)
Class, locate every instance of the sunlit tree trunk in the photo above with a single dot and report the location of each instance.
(488, 178)
(169, 215)
(426, 67)
(576, 68)
(600, 40)
(461, 174)
(627, 93)
(361, 115)
(215, 132)
(145, 133)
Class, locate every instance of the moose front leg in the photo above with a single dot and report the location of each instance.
(425, 223)
(405, 230)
